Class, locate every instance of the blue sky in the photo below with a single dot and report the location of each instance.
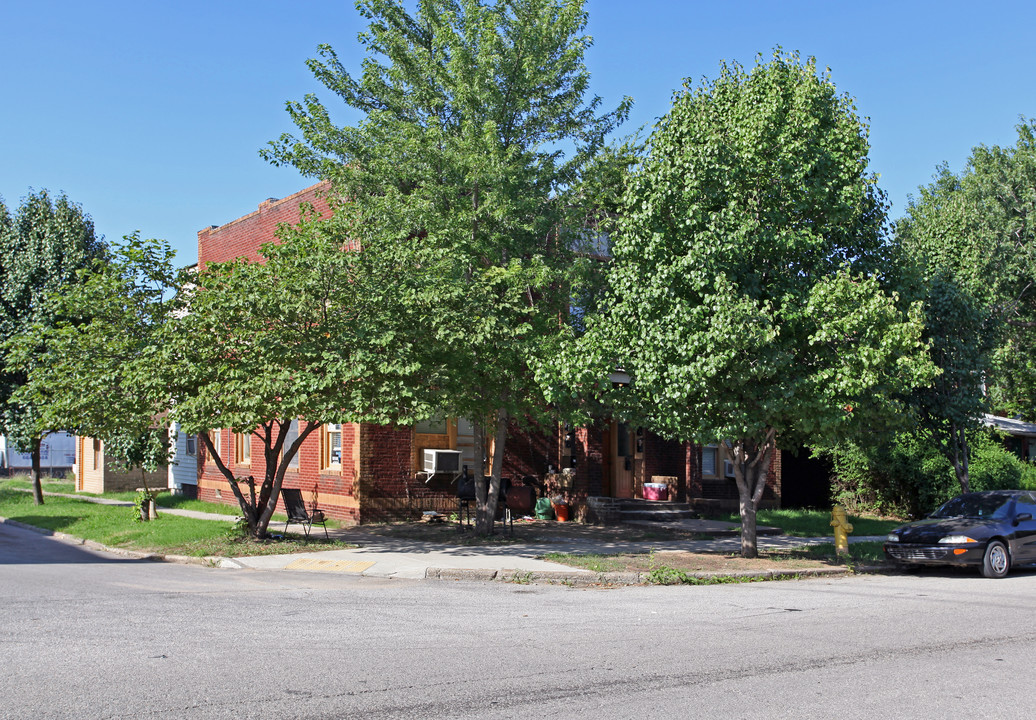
(151, 115)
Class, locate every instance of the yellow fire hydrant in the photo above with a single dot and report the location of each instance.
(840, 522)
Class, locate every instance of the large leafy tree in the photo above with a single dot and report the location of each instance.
(976, 228)
(961, 333)
(308, 334)
(42, 248)
(466, 165)
(745, 302)
(93, 370)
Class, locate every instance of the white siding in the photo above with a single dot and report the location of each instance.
(183, 468)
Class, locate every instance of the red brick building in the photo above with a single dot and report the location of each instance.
(367, 473)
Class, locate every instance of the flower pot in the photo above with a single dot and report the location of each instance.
(656, 491)
(561, 511)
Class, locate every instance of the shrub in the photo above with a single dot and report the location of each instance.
(909, 477)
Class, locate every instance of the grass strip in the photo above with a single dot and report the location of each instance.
(816, 523)
(114, 526)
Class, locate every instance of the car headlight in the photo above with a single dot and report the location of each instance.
(892, 537)
(956, 540)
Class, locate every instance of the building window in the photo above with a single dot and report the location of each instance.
(214, 436)
(331, 446)
(243, 448)
(96, 457)
(290, 437)
(436, 433)
(709, 458)
(192, 445)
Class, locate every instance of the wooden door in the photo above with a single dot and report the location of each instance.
(622, 453)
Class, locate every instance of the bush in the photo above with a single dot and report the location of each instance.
(908, 477)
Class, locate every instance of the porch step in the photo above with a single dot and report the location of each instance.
(611, 511)
(654, 511)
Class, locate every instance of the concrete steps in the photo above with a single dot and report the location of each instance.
(637, 510)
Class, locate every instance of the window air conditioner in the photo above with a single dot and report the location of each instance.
(441, 461)
(728, 469)
(333, 427)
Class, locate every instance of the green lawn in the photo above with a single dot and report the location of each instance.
(165, 499)
(114, 526)
(816, 523)
(862, 552)
(49, 485)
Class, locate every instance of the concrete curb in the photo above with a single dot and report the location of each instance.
(591, 579)
(134, 554)
(574, 578)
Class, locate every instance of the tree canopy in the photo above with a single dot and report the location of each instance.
(467, 167)
(95, 374)
(306, 335)
(42, 248)
(976, 229)
(745, 301)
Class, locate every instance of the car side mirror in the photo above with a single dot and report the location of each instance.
(1022, 517)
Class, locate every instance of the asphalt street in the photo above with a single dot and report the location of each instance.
(89, 635)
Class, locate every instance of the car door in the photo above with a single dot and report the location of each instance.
(1024, 549)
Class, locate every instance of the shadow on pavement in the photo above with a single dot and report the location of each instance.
(19, 546)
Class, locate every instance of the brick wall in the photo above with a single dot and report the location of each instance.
(387, 488)
(668, 458)
(530, 450)
(588, 454)
(244, 236)
(332, 490)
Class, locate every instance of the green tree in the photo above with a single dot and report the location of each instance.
(961, 334)
(744, 300)
(91, 372)
(467, 166)
(976, 228)
(41, 250)
(307, 335)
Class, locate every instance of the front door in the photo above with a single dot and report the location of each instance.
(622, 460)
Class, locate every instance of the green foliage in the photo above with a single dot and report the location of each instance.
(743, 298)
(910, 477)
(471, 175)
(42, 249)
(977, 226)
(91, 369)
(141, 505)
(238, 530)
(665, 575)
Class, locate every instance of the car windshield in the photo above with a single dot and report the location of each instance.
(976, 506)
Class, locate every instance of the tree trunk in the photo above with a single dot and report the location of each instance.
(34, 473)
(486, 498)
(751, 468)
(247, 510)
(270, 491)
(749, 527)
(960, 457)
(152, 507)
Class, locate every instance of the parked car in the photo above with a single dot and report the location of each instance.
(994, 531)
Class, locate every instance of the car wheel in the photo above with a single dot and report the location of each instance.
(997, 561)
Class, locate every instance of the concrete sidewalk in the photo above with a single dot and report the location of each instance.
(414, 559)
(387, 557)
